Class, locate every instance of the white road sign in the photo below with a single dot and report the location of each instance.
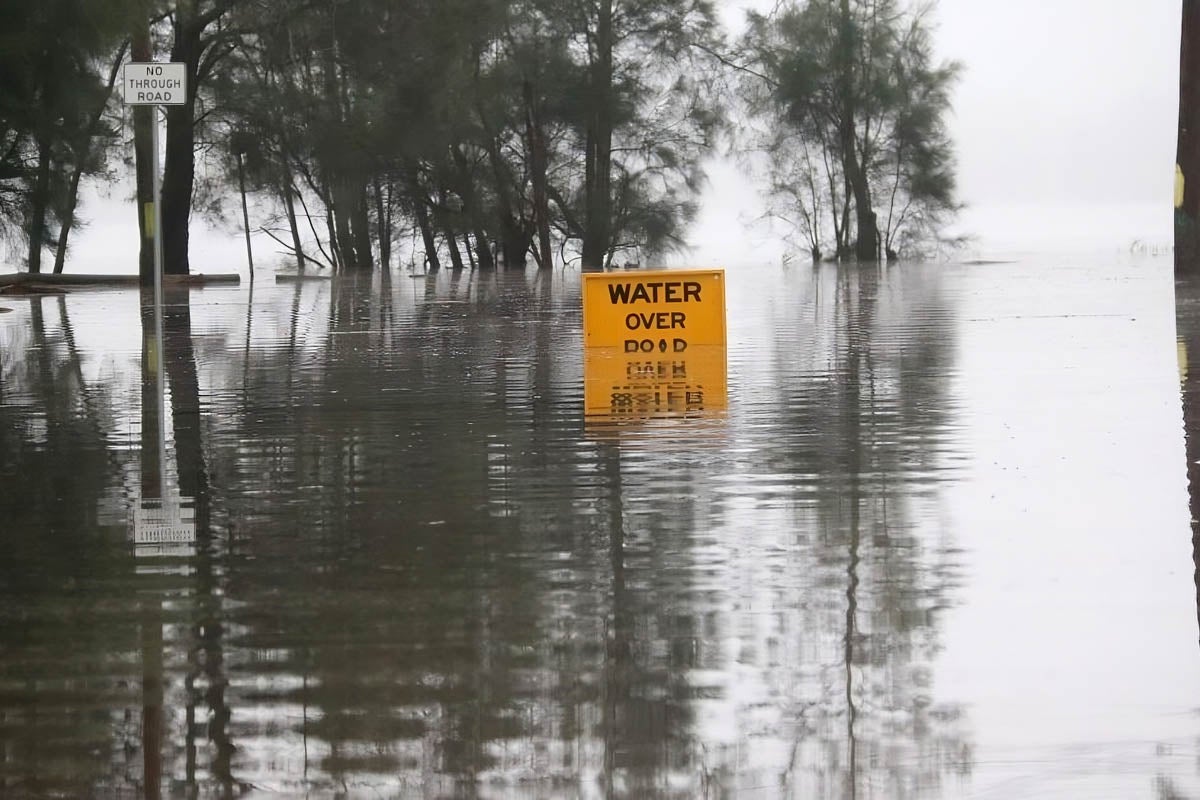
(156, 84)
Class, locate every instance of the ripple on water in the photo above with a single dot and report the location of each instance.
(420, 571)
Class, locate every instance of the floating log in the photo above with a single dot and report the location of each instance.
(29, 287)
(292, 277)
(51, 282)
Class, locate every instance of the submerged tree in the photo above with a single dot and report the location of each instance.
(494, 129)
(1187, 158)
(915, 171)
(852, 105)
(490, 130)
(200, 40)
(56, 78)
(646, 119)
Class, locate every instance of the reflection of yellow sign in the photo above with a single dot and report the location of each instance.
(1181, 357)
(654, 313)
(621, 386)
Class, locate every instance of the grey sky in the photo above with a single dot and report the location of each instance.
(1064, 100)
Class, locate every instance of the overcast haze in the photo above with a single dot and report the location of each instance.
(1064, 123)
(1065, 100)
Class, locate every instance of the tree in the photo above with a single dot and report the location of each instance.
(265, 109)
(144, 119)
(85, 156)
(200, 42)
(488, 128)
(649, 121)
(1187, 159)
(53, 54)
(362, 109)
(853, 105)
(914, 172)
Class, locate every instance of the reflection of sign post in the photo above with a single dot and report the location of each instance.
(164, 528)
(154, 85)
(654, 343)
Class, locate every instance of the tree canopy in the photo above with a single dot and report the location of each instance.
(56, 77)
(482, 133)
(851, 106)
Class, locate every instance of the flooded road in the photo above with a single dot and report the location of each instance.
(933, 543)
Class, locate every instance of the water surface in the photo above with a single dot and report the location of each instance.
(936, 544)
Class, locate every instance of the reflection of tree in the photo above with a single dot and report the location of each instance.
(414, 626)
(417, 574)
(206, 681)
(97, 637)
(878, 420)
(551, 620)
(430, 639)
(1187, 323)
(64, 617)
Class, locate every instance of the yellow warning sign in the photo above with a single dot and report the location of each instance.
(654, 313)
(621, 386)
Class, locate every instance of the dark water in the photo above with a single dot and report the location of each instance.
(936, 545)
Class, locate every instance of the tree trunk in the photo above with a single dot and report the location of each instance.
(866, 246)
(335, 255)
(40, 203)
(483, 251)
(192, 18)
(288, 187)
(471, 208)
(179, 168)
(342, 203)
(143, 138)
(361, 224)
(538, 165)
(420, 203)
(427, 237)
(245, 215)
(598, 159)
(516, 235)
(383, 216)
(289, 205)
(516, 238)
(445, 220)
(456, 261)
(68, 220)
(83, 152)
(1187, 159)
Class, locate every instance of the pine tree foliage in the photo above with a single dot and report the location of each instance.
(481, 133)
(850, 107)
(55, 85)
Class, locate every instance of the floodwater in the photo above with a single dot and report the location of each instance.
(933, 542)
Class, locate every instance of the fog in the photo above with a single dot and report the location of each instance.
(1064, 122)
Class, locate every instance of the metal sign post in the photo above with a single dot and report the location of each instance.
(159, 359)
(151, 84)
(156, 85)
